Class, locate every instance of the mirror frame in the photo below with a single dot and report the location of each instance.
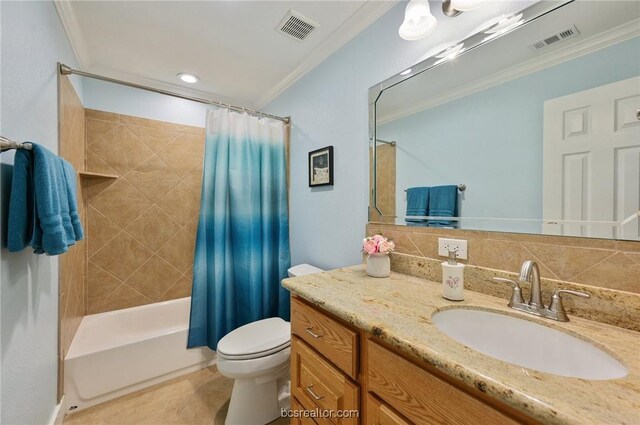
(530, 14)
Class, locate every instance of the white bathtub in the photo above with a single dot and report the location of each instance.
(121, 351)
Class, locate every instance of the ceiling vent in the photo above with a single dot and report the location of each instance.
(572, 31)
(297, 26)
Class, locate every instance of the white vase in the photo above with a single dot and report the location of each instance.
(378, 265)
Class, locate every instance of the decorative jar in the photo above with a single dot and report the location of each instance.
(378, 265)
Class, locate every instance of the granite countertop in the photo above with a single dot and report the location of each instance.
(398, 310)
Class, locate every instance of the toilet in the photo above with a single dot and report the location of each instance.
(257, 357)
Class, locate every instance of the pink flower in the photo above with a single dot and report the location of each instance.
(384, 247)
(370, 247)
(392, 246)
(378, 238)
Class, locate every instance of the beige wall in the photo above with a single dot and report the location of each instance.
(142, 224)
(72, 269)
(596, 262)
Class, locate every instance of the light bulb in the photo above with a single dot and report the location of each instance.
(188, 78)
(466, 5)
(418, 21)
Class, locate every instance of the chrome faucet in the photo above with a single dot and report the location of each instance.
(529, 272)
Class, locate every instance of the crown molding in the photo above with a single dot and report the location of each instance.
(361, 19)
(74, 33)
(589, 45)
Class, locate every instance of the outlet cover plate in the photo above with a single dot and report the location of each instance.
(458, 245)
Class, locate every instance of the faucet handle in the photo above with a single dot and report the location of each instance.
(516, 295)
(556, 305)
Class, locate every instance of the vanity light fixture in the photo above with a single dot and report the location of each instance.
(418, 21)
(466, 5)
(406, 71)
(448, 9)
(188, 78)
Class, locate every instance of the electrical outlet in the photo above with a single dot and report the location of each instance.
(457, 245)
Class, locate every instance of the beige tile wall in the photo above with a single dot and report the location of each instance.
(595, 262)
(385, 181)
(142, 225)
(72, 266)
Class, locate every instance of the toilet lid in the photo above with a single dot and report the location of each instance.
(303, 269)
(256, 339)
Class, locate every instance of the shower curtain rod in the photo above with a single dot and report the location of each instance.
(66, 70)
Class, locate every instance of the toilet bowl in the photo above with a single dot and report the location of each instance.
(257, 357)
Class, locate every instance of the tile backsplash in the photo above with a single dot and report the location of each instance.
(142, 224)
(596, 262)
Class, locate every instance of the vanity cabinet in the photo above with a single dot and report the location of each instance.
(337, 368)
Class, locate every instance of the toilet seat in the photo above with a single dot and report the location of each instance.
(257, 355)
(256, 340)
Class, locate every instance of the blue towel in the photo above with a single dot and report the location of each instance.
(443, 202)
(70, 180)
(21, 216)
(417, 204)
(43, 212)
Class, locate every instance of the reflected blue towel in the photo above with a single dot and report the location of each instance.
(417, 204)
(443, 202)
(43, 212)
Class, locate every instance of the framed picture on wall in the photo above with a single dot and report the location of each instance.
(321, 167)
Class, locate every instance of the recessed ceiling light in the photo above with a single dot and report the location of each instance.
(406, 71)
(188, 78)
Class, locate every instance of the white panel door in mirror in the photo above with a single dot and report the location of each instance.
(591, 167)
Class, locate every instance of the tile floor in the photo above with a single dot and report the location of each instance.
(199, 398)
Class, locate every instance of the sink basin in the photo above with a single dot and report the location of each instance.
(528, 344)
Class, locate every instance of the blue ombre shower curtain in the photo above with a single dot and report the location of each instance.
(242, 245)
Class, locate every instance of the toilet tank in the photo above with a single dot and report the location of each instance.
(303, 269)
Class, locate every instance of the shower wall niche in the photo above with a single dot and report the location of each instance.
(142, 211)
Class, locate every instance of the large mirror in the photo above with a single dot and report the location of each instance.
(531, 125)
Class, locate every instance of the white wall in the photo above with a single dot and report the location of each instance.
(33, 40)
(329, 106)
(125, 100)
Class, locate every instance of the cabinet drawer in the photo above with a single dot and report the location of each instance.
(422, 397)
(297, 407)
(334, 340)
(379, 413)
(316, 384)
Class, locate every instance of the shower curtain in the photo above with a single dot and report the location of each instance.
(242, 245)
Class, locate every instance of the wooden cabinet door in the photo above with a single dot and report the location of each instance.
(379, 413)
(422, 397)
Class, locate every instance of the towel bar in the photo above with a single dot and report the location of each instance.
(8, 144)
(461, 187)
